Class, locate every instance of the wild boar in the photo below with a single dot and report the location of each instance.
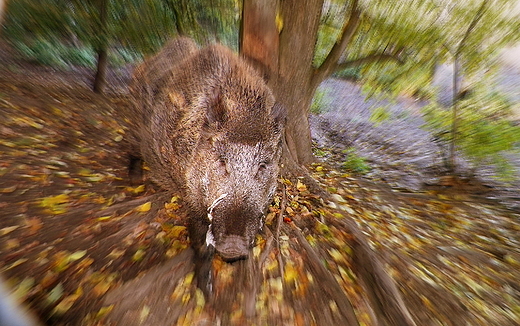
(210, 126)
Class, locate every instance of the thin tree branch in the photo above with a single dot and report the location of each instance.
(472, 26)
(348, 31)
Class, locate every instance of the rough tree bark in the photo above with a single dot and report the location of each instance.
(101, 48)
(101, 68)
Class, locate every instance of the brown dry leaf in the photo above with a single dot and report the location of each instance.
(301, 187)
(34, 225)
(49, 278)
(11, 244)
(104, 282)
(67, 302)
(8, 189)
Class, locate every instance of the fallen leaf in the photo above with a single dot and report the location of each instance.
(8, 229)
(144, 207)
(56, 204)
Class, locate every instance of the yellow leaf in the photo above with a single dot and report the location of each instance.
(290, 273)
(77, 255)
(84, 172)
(279, 21)
(144, 207)
(138, 189)
(199, 300)
(65, 304)
(104, 311)
(23, 288)
(115, 253)
(300, 186)
(188, 279)
(56, 204)
(337, 256)
(171, 206)
(186, 298)
(16, 263)
(96, 177)
(177, 230)
(8, 229)
(139, 254)
(101, 288)
(144, 314)
(55, 294)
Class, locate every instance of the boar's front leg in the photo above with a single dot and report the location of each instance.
(204, 252)
(135, 170)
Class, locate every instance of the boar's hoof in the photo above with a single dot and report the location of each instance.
(204, 270)
(232, 248)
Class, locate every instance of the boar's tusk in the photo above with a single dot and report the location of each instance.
(215, 203)
(210, 240)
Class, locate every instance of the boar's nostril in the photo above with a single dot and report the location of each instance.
(232, 248)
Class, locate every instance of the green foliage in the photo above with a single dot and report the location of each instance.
(380, 115)
(485, 131)
(353, 73)
(56, 54)
(320, 101)
(55, 32)
(42, 52)
(320, 152)
(355, 163)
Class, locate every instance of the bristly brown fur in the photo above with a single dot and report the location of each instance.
(210, 126)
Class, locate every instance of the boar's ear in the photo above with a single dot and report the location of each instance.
(216, 113)
(279, 114)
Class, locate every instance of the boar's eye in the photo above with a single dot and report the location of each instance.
(262, 166)
(222, 160)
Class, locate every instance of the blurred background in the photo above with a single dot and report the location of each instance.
(409, 111)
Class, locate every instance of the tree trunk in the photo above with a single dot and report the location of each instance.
(455, 113)
(99, 80)
(280, 37)
(101, 48)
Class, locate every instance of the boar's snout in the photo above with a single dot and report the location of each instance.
(232, 248)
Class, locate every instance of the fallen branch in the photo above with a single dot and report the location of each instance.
(127, 204)
(385, 298)
(328, 283)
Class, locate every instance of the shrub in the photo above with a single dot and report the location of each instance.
(355, 163)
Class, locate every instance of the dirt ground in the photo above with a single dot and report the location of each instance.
(80, 246)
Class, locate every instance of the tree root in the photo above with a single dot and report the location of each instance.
(327, 282)
(386, 300)
(128, 205)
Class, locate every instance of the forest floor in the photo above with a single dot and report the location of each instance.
(81, 246)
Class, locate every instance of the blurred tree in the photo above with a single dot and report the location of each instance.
(42, 28)
(397, 45)
(473, 50)
(302, 43)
